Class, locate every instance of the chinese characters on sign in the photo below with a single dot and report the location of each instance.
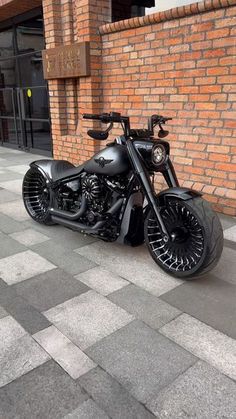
(66, 61)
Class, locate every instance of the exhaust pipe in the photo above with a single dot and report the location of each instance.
(68, 215)
(71, 223)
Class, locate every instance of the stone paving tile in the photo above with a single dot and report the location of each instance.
(87, 410)
(62, 257)
(144, 306)
(226, 267)
(141, 359)
(19, 352)
(73, 239)
(9, 246)
(133, 264)
(102, 281)
(201, 393)
(64, 352)
(29, 237)
(203, 341)
(14, 186)
(112, 397)
(88, 318)
(26, 315)
(227, 221)
(210, 300)
(230, 233)
(7, 196)
(50, 289)
(7, 175)
(3, 313)
(23, 266)
(20, 168)
(15, 210)
(8, 225)
(47, 392)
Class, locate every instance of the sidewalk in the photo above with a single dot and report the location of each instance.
(93, 330)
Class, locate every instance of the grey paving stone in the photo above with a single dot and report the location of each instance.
(201, 393)
(230, 233)
(87, 410)
(87, 318)
(29, 237)
(203, 341)
(14, 186)
(102, 280)
(141, 359)
(60, 234)
(50, 289)
(8, 225)
(112, 397)
(7, 196)
(46, 392)
(22, 266)
(3, 313)
(7, 174)
(62, 257)
(15, 210)
(210, 300)
(9, 246)
(144, 306)
(226, 267)
(19, 168)
(19, 352)
(62, 350)
(133, 264)
(23, 313)
(227, 221)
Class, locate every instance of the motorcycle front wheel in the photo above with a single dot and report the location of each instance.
(196, 237)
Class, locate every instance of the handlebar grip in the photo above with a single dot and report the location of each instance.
(91, 116)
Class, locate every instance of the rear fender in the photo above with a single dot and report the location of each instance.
(47, 167)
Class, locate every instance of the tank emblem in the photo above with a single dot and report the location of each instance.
(102, 162)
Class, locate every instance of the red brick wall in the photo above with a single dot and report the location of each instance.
(184, 68)
(180, 63)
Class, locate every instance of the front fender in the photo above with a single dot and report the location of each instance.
(183, 194)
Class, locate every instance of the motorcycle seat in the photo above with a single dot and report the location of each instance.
(57, 169)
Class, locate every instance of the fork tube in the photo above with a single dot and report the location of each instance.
(170, 175)
(145, 182)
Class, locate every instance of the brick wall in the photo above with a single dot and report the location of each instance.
(180, 63)
(184, 68)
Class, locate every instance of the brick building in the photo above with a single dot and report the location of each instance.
(179, 62)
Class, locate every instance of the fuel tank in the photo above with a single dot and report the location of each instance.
(111, 161)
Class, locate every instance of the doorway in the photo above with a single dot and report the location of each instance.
(24, 102)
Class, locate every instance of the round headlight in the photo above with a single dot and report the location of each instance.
(158, 154)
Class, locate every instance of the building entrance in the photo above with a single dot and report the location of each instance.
(24, 105)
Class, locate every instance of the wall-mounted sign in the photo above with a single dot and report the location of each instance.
(67, 61)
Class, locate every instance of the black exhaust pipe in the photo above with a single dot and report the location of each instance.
(68, 215)
(71, 223)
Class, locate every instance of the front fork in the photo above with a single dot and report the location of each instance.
(145, 181)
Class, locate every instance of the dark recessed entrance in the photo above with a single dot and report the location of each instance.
(24, 105)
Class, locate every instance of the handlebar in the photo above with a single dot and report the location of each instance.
(115, 117)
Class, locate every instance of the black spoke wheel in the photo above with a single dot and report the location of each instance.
(36, 196)
(196, 238)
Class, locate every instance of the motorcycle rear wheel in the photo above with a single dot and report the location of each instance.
(36, 197)
(196, 238)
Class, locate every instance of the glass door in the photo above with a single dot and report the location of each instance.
(24, 104)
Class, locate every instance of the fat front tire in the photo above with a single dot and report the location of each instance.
(196, 238)
(36, 196)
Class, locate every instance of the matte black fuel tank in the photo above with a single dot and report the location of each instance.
(111, 161)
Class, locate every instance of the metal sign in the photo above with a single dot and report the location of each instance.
(67, 61)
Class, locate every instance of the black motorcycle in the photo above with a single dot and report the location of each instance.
(112, 196)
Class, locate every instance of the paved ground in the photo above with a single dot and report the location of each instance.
(95, 330)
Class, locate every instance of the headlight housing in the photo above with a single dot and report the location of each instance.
(158, 154)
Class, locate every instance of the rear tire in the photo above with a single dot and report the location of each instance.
(36, 196)
(197, 238)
